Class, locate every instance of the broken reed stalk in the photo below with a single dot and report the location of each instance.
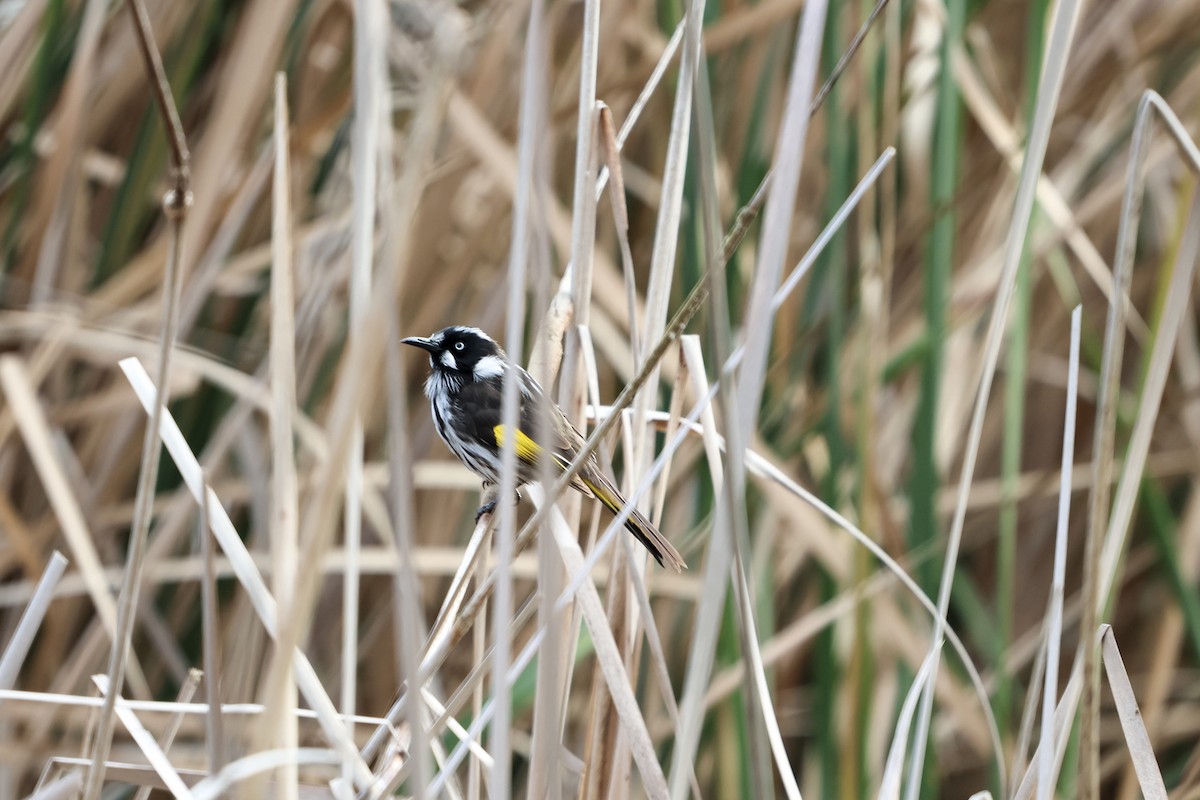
(31, 620)
(175, 207)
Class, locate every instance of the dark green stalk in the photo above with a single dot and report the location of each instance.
(947, 143)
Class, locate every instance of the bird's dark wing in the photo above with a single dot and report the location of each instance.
(479, 409)
(540, 422)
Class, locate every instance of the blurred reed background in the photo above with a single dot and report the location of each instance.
(436, 169)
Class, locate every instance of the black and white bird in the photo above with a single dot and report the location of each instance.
(465, 388)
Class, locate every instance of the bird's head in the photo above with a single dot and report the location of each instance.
(461, 352)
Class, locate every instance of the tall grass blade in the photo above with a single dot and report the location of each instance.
(889, 787)
(279, 727)
(1144, 763)
(1045, 766)
(532, 115)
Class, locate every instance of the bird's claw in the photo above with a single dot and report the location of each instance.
(486, 508)
(490, 505)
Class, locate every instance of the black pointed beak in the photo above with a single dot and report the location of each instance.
(421, 342)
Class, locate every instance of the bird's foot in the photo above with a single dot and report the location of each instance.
(486, 508)
(490, 492)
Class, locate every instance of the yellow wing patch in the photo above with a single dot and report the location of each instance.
(527, 449)
(530, 452)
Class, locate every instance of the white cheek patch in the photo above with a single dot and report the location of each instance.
(448, 361)
(489, 367)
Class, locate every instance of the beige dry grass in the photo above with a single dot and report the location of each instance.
(374, 190)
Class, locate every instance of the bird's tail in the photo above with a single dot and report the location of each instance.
(638, 525)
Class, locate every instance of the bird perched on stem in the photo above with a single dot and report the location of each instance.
(465, 389)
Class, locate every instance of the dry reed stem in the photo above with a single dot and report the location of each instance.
(431, 562)
(1046, 777)
(611, 150)
(243, 90)
(278, 724)
(31, 620)
(530, 136)
(526, 223)
(369, 87)
(176, 205)
(1132, 726)
(215, 741)
(889, 786)
(1020, 752)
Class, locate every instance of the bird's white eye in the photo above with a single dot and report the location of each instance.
(459, 345)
